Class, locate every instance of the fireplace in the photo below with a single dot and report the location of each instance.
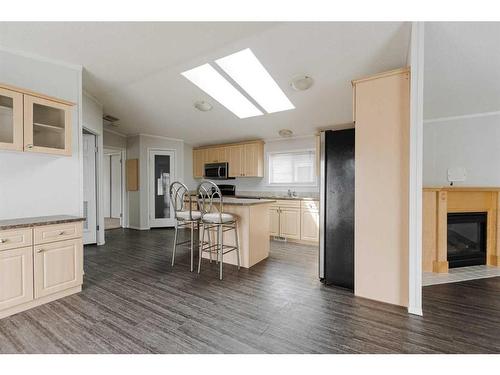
(466, 239)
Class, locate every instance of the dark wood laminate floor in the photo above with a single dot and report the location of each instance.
(134, 302)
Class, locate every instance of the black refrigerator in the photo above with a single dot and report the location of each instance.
(336, 259)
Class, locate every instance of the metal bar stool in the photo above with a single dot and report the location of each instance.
(184, 215)
(210, 199)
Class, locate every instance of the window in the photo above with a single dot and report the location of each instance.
(296, 168)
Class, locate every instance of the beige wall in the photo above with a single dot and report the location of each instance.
(381, 188)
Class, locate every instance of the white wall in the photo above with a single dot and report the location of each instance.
(133, 152)
(112, 139)
(262, 184)
(472, 143)
(92, 121)
(189, 180)
(35, 184)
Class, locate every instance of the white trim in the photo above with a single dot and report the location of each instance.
(123, 154)
(472, 115)
(115, 132)
(156, 136)
(415, 310)
(137, 228)
(416, 166)
(92, 97)
(34, 56)
(267, 172)
(99, 236)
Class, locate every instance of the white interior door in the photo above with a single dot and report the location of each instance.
(161, 174)
(106, 186)
(116, 186)
(89, 189)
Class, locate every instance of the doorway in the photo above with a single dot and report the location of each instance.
(161, 174)
(89, 188)
(113, 189)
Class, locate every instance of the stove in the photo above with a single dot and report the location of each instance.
(227, 190)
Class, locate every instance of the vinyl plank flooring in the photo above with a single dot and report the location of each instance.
(133, 301)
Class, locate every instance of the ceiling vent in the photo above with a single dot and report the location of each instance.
(110, 118)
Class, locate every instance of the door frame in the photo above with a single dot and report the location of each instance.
(173, 175)
(124, 193)
(98, 180)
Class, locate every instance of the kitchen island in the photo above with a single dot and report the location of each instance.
(253, 230)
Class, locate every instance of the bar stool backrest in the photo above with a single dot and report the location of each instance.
(180, 198)
(209, 198)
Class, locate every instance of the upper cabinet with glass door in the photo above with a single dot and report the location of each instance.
(11, 120)
(45, 127)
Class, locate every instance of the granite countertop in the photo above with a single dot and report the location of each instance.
(26, 222)
(245, 201)
(277, 197)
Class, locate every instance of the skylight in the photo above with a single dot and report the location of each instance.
(248, 72)
(215, 85)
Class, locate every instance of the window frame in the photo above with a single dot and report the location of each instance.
(293, 184)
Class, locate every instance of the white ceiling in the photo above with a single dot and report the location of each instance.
(134, 69)
(462, 68)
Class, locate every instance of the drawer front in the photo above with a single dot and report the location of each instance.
(57, 232)
(58, 266)
(16, 277)
(310, 205)
(288, 203)
(12, 239)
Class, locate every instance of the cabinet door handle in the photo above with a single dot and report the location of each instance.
(2, 240)
(61, 233)
(40, 251)
(29, 146)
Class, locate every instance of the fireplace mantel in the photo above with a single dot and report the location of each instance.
(438, 202)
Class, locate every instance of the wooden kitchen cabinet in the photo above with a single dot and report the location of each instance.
(254, 162)
(199, 157)
(236, 161)
(58, 266)
(290, 223)
(40, 263)
(47, 126)
(295, 220)
(274, 221)
(216, 155)
(244, 159)
(11, 120)
(309, 225)
(16, 277)
(34, 122)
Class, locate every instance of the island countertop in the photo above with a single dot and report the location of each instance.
(26, 222)
(245, 201)
(236, 201)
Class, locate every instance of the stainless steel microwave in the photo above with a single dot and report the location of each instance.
(216, 171)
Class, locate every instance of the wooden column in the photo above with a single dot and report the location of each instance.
(441, 262)
(495, 259)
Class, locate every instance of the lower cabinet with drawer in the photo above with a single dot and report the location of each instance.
(296, 220)
(39, 264)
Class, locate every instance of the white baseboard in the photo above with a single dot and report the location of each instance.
(137, 228)
(415, 310)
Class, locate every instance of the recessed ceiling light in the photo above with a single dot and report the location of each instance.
(301, 83)
(203, 106)
(285, 133)
(248, 72)
(215, 85)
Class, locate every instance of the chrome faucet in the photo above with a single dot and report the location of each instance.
(291, 194)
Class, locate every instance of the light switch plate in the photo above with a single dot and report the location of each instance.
(456, 174)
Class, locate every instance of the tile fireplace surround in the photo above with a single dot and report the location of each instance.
(438, 202)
